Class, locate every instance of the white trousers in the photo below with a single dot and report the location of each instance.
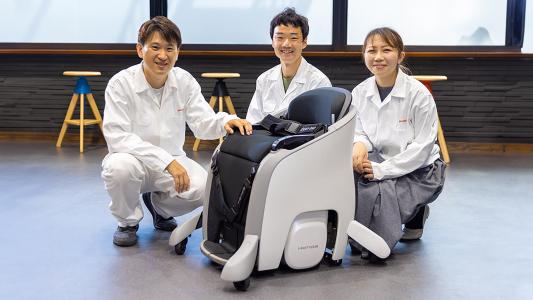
(126, 177)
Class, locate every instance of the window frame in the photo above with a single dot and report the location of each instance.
(515, 27)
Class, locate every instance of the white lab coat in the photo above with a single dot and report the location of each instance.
(402, 129)
(152, 132)
(145, 134)
(270, 96)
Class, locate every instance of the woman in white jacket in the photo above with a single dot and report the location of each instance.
(395, 159)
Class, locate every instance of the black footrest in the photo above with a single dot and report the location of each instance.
(221, 251)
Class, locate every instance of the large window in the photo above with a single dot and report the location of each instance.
(335, 25)
(432, 22)
(72, 21)
(245, 21)
(528, 34)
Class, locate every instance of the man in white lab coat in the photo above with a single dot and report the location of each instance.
(147, 106)
(277, 87)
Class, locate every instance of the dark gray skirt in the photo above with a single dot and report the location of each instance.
(383, 206)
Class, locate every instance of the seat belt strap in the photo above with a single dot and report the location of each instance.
(228, 212)
(279, 126)
(246, 189)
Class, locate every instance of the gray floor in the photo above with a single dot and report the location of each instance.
(55, 240)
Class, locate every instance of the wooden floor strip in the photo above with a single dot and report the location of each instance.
(97, 138)
(468, 147)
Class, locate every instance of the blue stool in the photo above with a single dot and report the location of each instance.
(81, 90)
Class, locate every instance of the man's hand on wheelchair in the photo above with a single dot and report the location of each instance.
(244, 126)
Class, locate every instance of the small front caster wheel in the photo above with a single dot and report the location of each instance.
(242, 285)
(181, 246)
(335, 263)
(330, 261)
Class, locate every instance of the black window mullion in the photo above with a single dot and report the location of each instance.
(158, 8)
(340, 25)
(164, 8)
(515, 23)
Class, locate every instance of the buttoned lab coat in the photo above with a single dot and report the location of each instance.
(402, 129)
(137, 124)
(270, 96)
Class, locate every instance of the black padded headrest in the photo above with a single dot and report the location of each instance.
(317, 106)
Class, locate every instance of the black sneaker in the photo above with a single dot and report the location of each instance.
(354, 247)
(160, 223)
(125, 236)
(414, 229)
(372, 258)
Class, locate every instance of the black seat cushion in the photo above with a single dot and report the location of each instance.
(250, 147)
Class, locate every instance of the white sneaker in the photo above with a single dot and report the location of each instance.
(415, 234)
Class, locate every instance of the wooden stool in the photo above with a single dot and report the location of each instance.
(221, 93)
(426, 80)
(82, 88)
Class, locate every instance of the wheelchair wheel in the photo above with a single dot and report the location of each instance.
(181, 246)
(242, 285)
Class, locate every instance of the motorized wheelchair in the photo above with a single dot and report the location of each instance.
(285, 193)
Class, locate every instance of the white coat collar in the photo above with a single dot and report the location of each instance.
(142, 85)
(398, 91)
(298, 77)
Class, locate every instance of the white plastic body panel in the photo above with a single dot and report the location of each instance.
(368, 239)
(184, 230)
(241, 264)
(314, 177)
(307, 240)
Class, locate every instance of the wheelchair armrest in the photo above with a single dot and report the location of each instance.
(291, 141)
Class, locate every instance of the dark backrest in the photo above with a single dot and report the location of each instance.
(318, 105)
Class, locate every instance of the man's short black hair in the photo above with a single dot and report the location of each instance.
(289, 17)
(170, 31)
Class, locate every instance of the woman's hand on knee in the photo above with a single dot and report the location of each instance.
(359, 155)
(181, 178)
(367, 169)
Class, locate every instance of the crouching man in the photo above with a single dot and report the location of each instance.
(147, 107)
